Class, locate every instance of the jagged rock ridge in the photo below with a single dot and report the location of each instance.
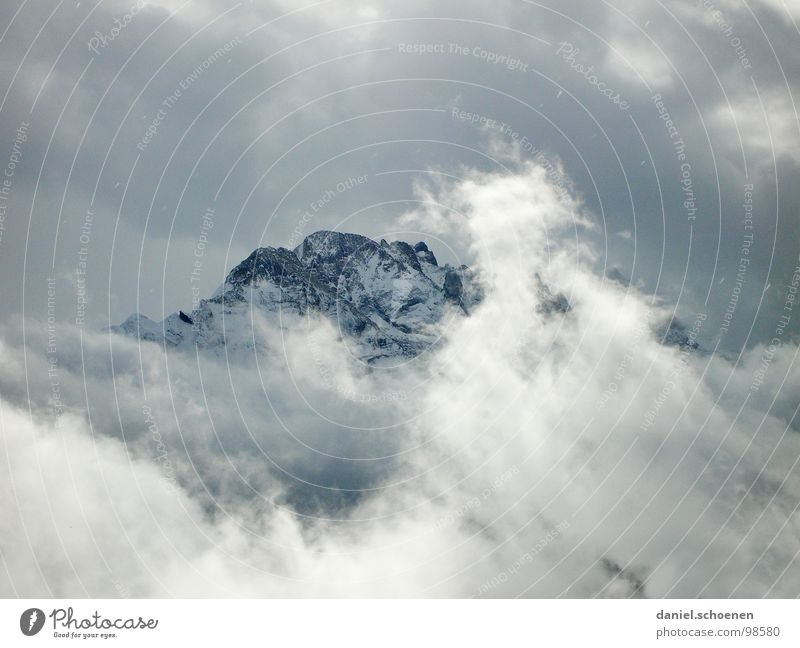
(387, 298)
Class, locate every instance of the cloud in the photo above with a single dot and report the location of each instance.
(534, 454)
(631, 52)
(768, 123)
(787, 11)
(295, 108)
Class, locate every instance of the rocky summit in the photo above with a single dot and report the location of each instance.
(388, 299)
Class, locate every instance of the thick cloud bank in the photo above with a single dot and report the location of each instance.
(536, 453)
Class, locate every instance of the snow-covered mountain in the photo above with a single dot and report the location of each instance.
(388, 299)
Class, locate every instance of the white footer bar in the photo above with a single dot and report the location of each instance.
(399, 623)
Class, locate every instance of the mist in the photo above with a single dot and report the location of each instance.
(532, 453)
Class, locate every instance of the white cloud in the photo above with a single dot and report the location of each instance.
(534, 455)
(771, 128)
(630, 57)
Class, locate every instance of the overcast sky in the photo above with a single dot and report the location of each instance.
(631, 153)
(279, 103)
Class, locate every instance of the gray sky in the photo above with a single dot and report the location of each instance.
(305, 98)
(146, 145)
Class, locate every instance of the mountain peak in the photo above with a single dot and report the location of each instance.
(326, 245)
(387, 297)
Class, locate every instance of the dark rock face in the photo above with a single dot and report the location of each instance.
(185, 318)
(424, 253)
(550, 303)
(296, 286)
(676, 334)
(405, 252)
(630, 582)
(452, 286)
(615, 275)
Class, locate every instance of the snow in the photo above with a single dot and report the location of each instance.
(389, 298)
